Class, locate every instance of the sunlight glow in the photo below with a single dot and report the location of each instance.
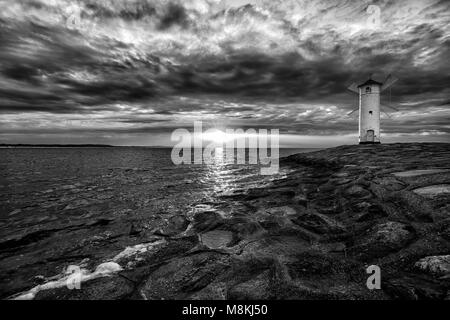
(218, 136)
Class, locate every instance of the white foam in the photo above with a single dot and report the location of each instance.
(137, 249)
(66, 279)
(107, 268)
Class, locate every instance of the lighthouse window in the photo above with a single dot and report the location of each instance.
(370, 112)
(368, 90)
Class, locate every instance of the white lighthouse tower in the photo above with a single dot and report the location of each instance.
(369, 108)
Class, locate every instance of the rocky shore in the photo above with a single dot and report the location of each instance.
(308, 235)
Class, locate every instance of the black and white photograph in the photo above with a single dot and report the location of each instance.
(239, 150)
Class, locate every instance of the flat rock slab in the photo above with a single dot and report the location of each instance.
(432, 191)
(414, 173)
(216, 239)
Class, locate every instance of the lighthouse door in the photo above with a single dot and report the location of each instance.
(370, 135)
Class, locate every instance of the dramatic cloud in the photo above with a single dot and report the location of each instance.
(129, 72)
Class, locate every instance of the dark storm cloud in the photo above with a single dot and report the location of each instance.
(275, 64)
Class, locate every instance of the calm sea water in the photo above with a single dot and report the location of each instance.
(26, 171)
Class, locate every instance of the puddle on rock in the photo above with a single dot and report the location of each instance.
(414, 173)
(216, 239)
(432, 191)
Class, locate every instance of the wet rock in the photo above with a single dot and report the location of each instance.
(214, 291)
(77, 204)
(20, 240)
(175, 225)
(341, 181)
(182, 277)
(327, 205)
(39, 279)
(282, 211)
(257, 288)
(382, 239)
(282, 192)
(437, 265)
(414, 288)
(414, 173)
(390, 183)
(341, 174)
(280, 245)
(319, 223)
(370, 212)
(255, 194)
(433, 191)
(216, 239)
(357, 191)
(274, 223)
(133, 231)
(244, 228)
(308, 264)
(14, 212)
(207, 220)
(105, 288)
(412, 206)
(300, 200)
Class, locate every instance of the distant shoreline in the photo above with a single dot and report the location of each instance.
(55, 146)
(106, 146)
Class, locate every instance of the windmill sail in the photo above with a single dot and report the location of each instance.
(352, 111)
(388, 115)
(389, 107)
(390, 80)
(353, 88)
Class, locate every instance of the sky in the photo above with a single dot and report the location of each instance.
(131, 72)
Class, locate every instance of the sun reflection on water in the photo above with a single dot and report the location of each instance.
(226, 177)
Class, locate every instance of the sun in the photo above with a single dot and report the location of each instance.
(218, 136)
